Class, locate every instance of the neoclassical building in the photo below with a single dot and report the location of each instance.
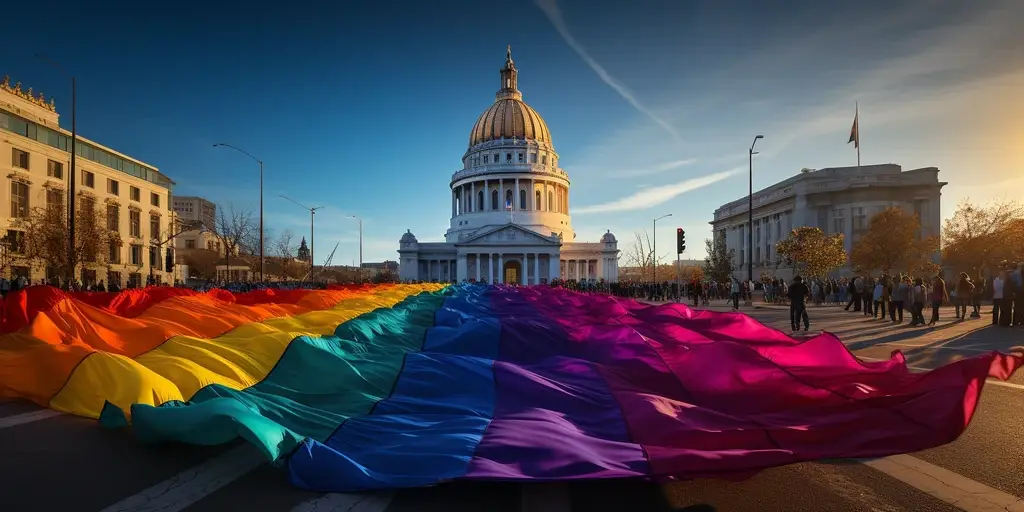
(510, 218)
(836, 200)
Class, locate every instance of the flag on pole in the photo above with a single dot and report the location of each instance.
(855, 131)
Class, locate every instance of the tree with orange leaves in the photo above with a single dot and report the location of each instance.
(893, 243)
(811, 252)
(983, 237)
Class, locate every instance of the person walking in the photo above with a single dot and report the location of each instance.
(938, 295)
(997, 296)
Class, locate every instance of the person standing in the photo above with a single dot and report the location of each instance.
(938, 296)
(855, 290)
(797, 307)
(997, 296)
(918, 293)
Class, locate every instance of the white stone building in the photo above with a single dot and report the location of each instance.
(836, 200)
(510, 218)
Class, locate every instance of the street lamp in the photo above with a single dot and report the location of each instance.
(750, 218)
(654, 249)
(71, 172)
(262, 245)
(312, 211)
(360, 219)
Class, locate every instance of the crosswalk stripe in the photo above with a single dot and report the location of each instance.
(186, 488)
(27, 417)
(339, 502)
(946, 485)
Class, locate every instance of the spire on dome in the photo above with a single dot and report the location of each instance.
(509, 79)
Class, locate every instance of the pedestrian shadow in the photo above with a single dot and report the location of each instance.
(901, 334)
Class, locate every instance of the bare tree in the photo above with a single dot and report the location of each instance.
(284, 248)
(44, 239)
(234, 230)
(641, 254)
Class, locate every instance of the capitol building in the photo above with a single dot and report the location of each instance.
(510, 220)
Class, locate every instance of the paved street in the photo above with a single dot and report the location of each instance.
(57, 462)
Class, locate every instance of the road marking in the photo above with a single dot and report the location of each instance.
(339, 502)
(545, 497)
(946, 485)
(186, 488)
(997, 382)
(27, 417)
(940, 347)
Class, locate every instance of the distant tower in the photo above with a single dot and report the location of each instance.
(303, 253)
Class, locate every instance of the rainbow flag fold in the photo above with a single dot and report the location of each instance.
(411, 385)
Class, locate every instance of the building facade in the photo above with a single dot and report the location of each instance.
(135, 197)
(193, 210)
(510, 220)
(835, 200)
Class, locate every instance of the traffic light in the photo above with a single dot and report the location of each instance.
(680, 240)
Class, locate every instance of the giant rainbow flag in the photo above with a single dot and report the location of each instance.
(410, 385)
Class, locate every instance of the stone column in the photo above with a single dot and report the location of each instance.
(472, 196)
(479, 262)
(515, 197)
(533, 194)
(462, 267)
(536, 268)
(501, 274)
(553, 266)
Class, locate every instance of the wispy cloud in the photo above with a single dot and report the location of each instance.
(657, 169)
(656, 195)
(554, 15)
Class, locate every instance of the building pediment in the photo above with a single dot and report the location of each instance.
(509, 234)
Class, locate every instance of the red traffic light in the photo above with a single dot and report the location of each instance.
(679, 230)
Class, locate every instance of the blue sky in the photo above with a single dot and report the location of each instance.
(652, 106)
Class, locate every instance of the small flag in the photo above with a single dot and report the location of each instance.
(508, 205)
(855, 130)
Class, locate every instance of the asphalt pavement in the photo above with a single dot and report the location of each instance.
(50, 461)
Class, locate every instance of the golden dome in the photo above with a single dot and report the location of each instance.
(509, 117)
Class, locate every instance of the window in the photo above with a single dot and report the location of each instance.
(486, 159)
(522, 158)
(508, 157)
(838, 222)
(154, 226)
(113, 217)
(19, 199)
(87, 205)
(536, 203)
(19, 158)
(113, 187)
(114, 252)
(480, 200)
(544, 159)
(136, 255)
(508, 199)
(522, 199)
(496, 158)
(55, 169)
(134, 194)
(190, 244)
(55, 198)
(154, 199)
(154, 257)
(494, 199)
(16, 239)
(533, 158)
(859, 219)
(551, 198)
(135, 223)
(88, 179)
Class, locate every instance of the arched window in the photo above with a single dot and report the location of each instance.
(494, 199)
(522, 199)
(536, 204)
(551, 199)
(480, 200)
(508, 198)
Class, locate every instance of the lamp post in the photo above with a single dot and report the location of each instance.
(750, 219)
(262, 245)
(312, 212)
(654, 249)
(360, 219)
(71, 172)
